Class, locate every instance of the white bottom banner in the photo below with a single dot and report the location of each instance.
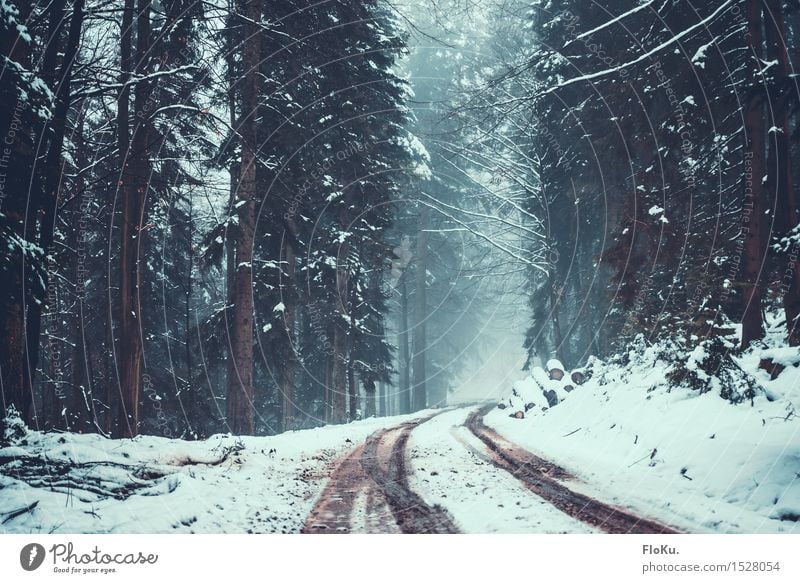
(389, 558)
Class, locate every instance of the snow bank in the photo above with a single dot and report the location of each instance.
(688, 457)
(157, 485)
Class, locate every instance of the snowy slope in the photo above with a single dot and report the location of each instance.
(268, 486)
(693, 460)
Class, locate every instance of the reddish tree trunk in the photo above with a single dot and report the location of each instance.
(753, 205)
(339, 377)
(240, 398)
(779, 165)
(135, 178)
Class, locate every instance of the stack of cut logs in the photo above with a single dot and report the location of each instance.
(544, 388)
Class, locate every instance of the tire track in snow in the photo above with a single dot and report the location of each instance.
(350, 502)
(411, 512)
(451, 467)
(546, 480)
(368, 491)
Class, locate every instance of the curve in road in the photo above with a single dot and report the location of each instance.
(546, 479)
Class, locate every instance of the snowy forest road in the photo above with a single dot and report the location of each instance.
(546, 480)
(369, 492)
(369, 489)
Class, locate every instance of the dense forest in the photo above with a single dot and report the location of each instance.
(253, 217)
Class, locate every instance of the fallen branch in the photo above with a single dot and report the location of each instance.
(226, 455)
(64, 476)
(19, 512)
(650, 455)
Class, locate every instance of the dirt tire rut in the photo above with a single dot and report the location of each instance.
(546, 480)
(369, 492)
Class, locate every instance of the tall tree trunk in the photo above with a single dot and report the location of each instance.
(190, 388)
(582, 317)
(340, 338)
(47, 189)
(369, 396)
(779, 164)
(339, 376)
(404, 395)
(135, 177)
(82, 377)
(420, 396)
(112, 405)
(233, 168)
(558, 338)
(12, 356)
(352, 382)
(90, 378)
(352, 389)
(288, 361)
(233, 171)
(240, 409)
(328, 404)
(598, 331)
(83, 414)
(18, 155)
(753, 206)
(62, 405)
(381, 399)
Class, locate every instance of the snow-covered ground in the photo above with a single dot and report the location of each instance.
(688, 459)
(480, 497)
(692, 460)
(269, 485)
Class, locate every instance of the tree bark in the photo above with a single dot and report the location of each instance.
(369, 397)
(419, 394)
(404, 395)
(18, 157)
(352, 389)
(339, 376)
(233, 168)
(753, 204)
(48, 189)
(240, 410)
(189, 290)
(112, 405)
(82, 371)
(288, 361)
(340, 338)
(134, 178)
(558, 338)
(328, 403)
(381, 399)
(779, 164)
